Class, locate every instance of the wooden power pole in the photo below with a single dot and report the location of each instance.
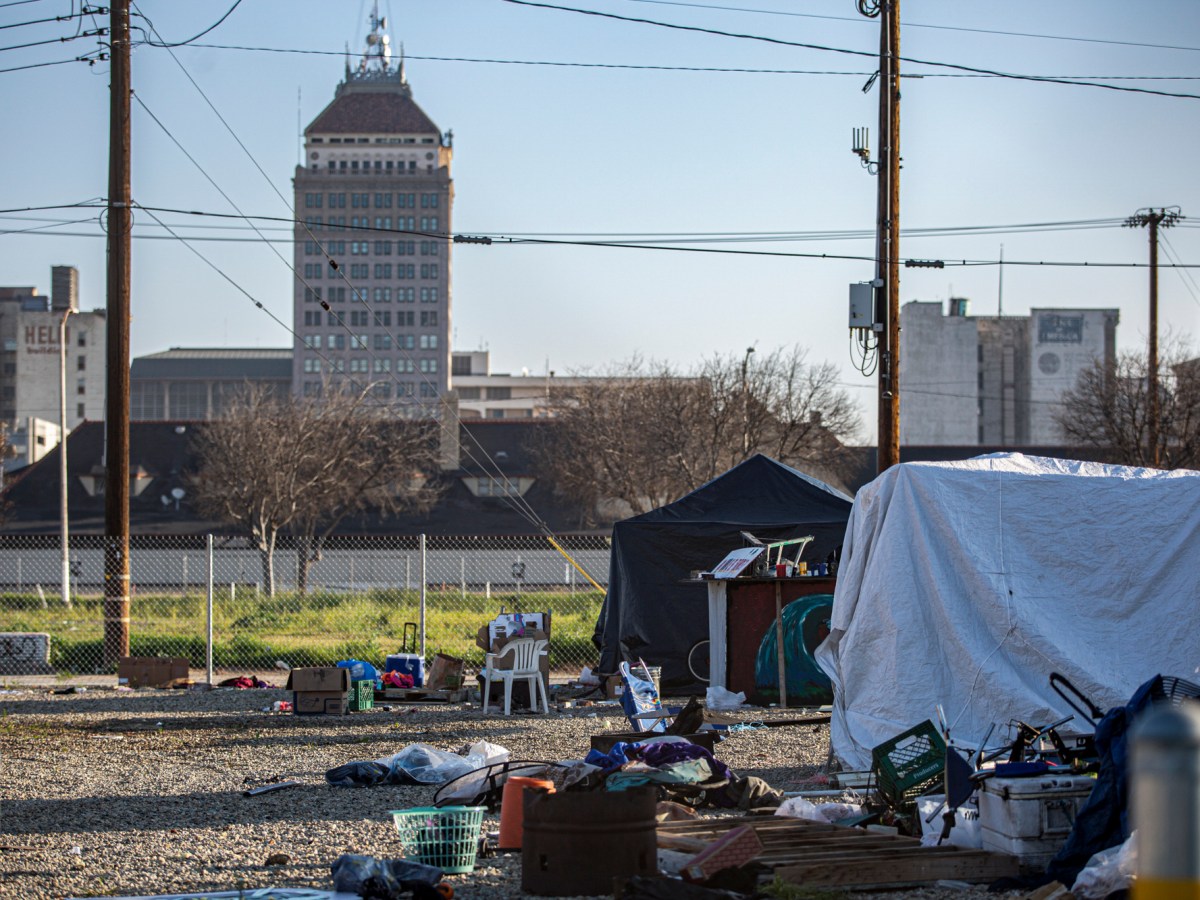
(887, 252)
(1154, 219)
(116, 418)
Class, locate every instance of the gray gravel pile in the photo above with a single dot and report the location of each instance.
(108, 792)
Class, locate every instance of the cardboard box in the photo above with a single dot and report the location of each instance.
(320, 690)
(446, 669)
(152, 671)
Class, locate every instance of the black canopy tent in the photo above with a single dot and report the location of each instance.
(649, 612)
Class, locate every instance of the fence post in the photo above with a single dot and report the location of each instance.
(424, 579)
(462, 575)
(208, 658)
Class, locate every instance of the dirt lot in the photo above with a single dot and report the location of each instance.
(106, 792)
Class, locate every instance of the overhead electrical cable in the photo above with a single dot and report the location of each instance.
(86, 59)
(864, 53)
(715, 69)
(502, 240)
(164, 44)
(1189, 281)
(84, 34)
(907, 24)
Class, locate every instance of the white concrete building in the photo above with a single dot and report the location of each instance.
(993, 380)
(372, 293)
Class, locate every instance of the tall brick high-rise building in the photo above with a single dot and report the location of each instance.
(374, 195)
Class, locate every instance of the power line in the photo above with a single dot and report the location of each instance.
(17, 3)
(1189, 282)
(163, 44)
(664, 68)
(907, 24)
(87, 59)
(701, 237)
(503, 240)
(99, 32)
(807, 46)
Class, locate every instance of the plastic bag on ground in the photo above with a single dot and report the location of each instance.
(826, 813)
(351, 870)
(725, 701)
(424, 764)
(1108, 871)
(481, 756)
(358, 774)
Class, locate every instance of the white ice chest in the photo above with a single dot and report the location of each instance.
(1030, 817)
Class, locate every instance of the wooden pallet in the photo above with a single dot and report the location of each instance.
(419, 695)
(809, 853)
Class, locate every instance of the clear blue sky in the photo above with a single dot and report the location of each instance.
(558, 150)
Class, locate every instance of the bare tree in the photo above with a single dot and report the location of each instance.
(275, 466)
(646, 434)
(1109, 408)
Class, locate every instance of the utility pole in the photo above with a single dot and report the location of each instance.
(116, 418)
(1164, 217)
(887, 224)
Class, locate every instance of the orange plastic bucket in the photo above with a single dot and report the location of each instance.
(512, 808)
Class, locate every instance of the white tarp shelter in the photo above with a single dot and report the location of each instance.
(968, 583)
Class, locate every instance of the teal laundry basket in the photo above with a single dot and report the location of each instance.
(446, 837)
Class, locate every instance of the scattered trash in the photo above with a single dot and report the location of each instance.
(725, 701)
(76, 851)
(280, 664)
(278, 859)
(354, 873)
(268, 788)
(243, 682)
(799, 808)
(396, 680)
(416, 764)
(1108, 871)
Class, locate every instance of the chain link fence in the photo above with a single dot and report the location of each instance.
(351, 598)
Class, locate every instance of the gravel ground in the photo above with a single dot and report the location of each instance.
(107, 792)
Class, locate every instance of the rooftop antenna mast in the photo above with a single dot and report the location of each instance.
(1000, 292)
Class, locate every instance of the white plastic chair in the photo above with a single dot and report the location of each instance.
(527, 654)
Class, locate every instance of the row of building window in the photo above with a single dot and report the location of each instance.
(383, 389)
(378, 140)
(379, 365)
(403, 271)
(381, 166)
(363, 319)
(377, 294)
(362, 200)
(378, 223)
(381, 341)
(364, 248)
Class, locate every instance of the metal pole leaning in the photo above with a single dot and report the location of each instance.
(208, 653)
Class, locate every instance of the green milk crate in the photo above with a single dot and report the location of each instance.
(909, 764)
(362, 695)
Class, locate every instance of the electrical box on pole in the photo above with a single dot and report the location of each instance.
(862, 305)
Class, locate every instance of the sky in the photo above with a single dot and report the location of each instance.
(629, 139)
